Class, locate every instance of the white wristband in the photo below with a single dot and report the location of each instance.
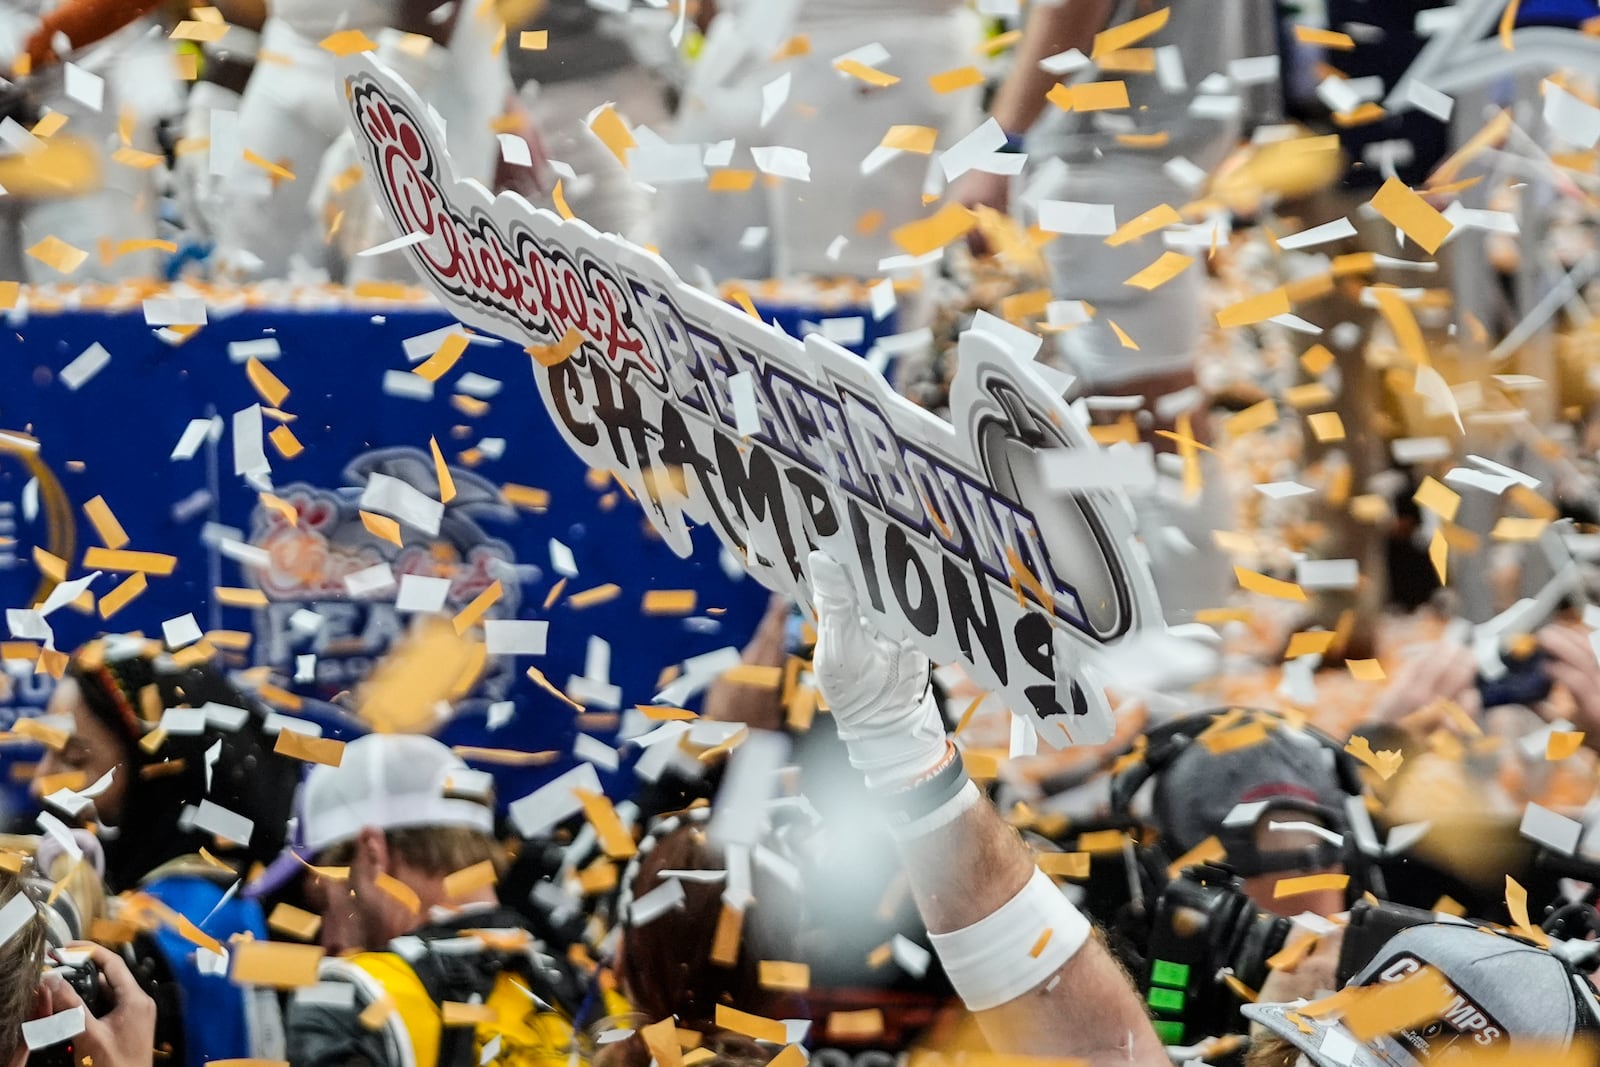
(993, 961)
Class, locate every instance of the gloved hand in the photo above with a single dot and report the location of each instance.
(200, 193)
(876, 688)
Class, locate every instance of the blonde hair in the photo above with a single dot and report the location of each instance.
(22, 957)
(433, 850)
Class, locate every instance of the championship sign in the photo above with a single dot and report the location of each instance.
(711, 417)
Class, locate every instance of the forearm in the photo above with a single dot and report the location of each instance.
(1087, 1008)
(1050, 29)
(83, 22)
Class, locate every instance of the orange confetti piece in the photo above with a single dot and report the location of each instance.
(284, 440)
(1320, 38)
(443, 358)
(753, 1026)
(202, 31)
(265, 383)
(1255, 309)
(731, 180)
(1508, 25)
(267, 165)
(382, 526)
(613, 133)
(669, 602)
(470, 880)
(1162, 271)
(1365, 670)
(58, 255)
(469, 616)
(447, 484)
(1308, 643)
(1157, 218)
(123, 594)
(951, 81)
(861, 72)
(525, 496)
(1437, 498)
(934, 232)
(1563, 744)
(1128, 33)
(916, 139)
(1122, 336)
(783, 975)
(1412, 215)
(233, 597)
(1326, 426)
(1257, 416)
(1253, 582)
(1385, 762)
(534, 40)
(615, 840)
(560, 352)
(1074, 865)
(346, 43)
(274, 964)
(559, 196)
(1310, 883)
(599, 594)
(293, 922)
(106, 526)
(157, 563)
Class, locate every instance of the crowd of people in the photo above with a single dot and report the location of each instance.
(1398, 883)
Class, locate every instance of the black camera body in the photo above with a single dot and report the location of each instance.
(1202, 929)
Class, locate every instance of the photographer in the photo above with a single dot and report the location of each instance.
(123, 1036)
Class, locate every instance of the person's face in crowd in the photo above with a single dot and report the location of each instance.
(1259, 888)
(359, 912)
(92, 749)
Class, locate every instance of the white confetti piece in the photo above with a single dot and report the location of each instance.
(1070, 216)
(1407, 450)
(553, 801)
(500, 713)
(89, 362)
(260, 348)
(656, 903)
(86, 87)
(1551, 829)
(561, 559)
(19, 911)
(1430, 101)
(909, 956)
(193, 435)
(514, 150)
(180, 631)
(1337, 230)
(405, 384)
(1023, 344)
(1256, 70)
(53, 1029)
(965, 153)
(1327, 573)
(773, 96)
(249, 455)
(370, 581)
(1574, 121)
(592, 750)
(1283, 490)
(13, 133)
(474, 384)
(1131, 467)
(414, 238)
(395, 498)
(742, 390)
(515, 637)
(215, 819)
(658, 164)
(1068, 62)
(174, 311)
(65, 593)
(420, 593)
(782, 162)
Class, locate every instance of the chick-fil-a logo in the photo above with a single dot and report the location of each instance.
(540, 287)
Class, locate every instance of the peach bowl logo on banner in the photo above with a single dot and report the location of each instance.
(713, 418)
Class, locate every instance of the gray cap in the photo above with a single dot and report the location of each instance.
(1198, 789)
(1507, 993)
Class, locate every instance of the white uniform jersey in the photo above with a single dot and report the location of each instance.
(316, 19)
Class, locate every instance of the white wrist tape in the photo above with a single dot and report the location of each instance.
(993, 961)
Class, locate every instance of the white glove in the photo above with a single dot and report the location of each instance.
(876, 688)
(201, 195)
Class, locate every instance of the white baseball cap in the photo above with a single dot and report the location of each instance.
(393, 781)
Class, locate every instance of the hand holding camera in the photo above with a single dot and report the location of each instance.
(119, 1017)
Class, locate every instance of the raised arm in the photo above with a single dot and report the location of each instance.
(1024, 960)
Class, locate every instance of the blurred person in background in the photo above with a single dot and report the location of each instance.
(838, 220)
(156, 809)
(589, 58)
(666, 962)
(292, 113)
(70, 187)
(1156, 151)
(386, 830)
